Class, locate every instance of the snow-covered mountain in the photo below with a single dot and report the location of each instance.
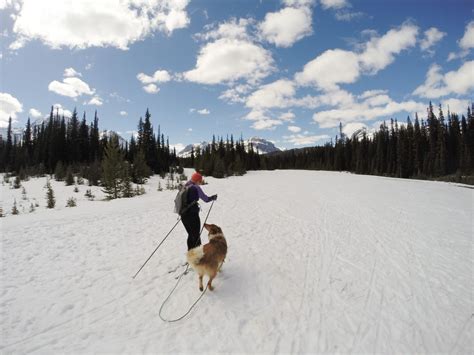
(259, 144)
(109, 134)
(186, 152)
(17, 133)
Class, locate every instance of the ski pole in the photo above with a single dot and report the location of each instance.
(208, 212)
(157, 247)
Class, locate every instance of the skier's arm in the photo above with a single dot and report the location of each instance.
(202, 195)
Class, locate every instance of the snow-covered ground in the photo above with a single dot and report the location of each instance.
(317, 262)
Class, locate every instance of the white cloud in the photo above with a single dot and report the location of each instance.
(236, 93)
(294, 129)
(455, 105)
(151, 88)
(9, 107)
(287, 26)
(378, 106)
(454, 82)
(123, 113)
(379, 52)
(231, 55)
(432, 36)
(70, 72)
(89, 66)
(267, 124)
(4, 4)
(276, 94)
(160, 76)
(231, 29)
(204, 111)
(58, 108)
(467, 41)
(34, 113)
(334, 4)
(256, 115)
(342, 9)
(453, 55)
(325, 70)
(345, 15)
(96, 100)
(462, 80)
(287, 116)
(116, 23)
(281, 94)
(352, 127)
(228, 60)
(302, 139)
(370, 93)
(71, 87)
(299, 3)
(118, 97)
(189, 129)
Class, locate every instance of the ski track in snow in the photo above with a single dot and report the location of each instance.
(317, 262)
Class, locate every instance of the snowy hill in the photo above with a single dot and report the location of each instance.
(262, 145)
(354, 264)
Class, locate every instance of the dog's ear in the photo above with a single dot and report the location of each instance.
(215, 229)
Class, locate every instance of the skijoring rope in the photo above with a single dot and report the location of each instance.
(179, 280)
(179, 219)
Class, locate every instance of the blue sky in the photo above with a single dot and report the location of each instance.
(288, 71)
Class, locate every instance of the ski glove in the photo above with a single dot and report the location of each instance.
(213, 197)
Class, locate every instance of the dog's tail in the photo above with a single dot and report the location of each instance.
(195, 255)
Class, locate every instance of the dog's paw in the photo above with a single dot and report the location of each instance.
(201, 288)
(211, 288)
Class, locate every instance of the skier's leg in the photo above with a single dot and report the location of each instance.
(194, 223)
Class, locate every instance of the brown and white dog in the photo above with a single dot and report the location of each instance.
(207, 259)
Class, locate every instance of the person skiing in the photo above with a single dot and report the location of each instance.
(190, 217)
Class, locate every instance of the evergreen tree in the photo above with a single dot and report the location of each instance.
(83, 138)
(94, 145)
(50, 200)
(28, 143)
(9, 146)
(59, 172)
(15, 209)
(440, 154)
(140, 170)
(69, 176)
(127, 188)
(73, 138)
(112, 169)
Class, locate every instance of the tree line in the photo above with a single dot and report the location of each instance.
(65, 146)
(435, 147)
(439, 147)
(222, 158)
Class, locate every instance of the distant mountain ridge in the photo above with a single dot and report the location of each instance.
(260, 145)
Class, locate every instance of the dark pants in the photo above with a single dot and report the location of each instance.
(192, 223)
